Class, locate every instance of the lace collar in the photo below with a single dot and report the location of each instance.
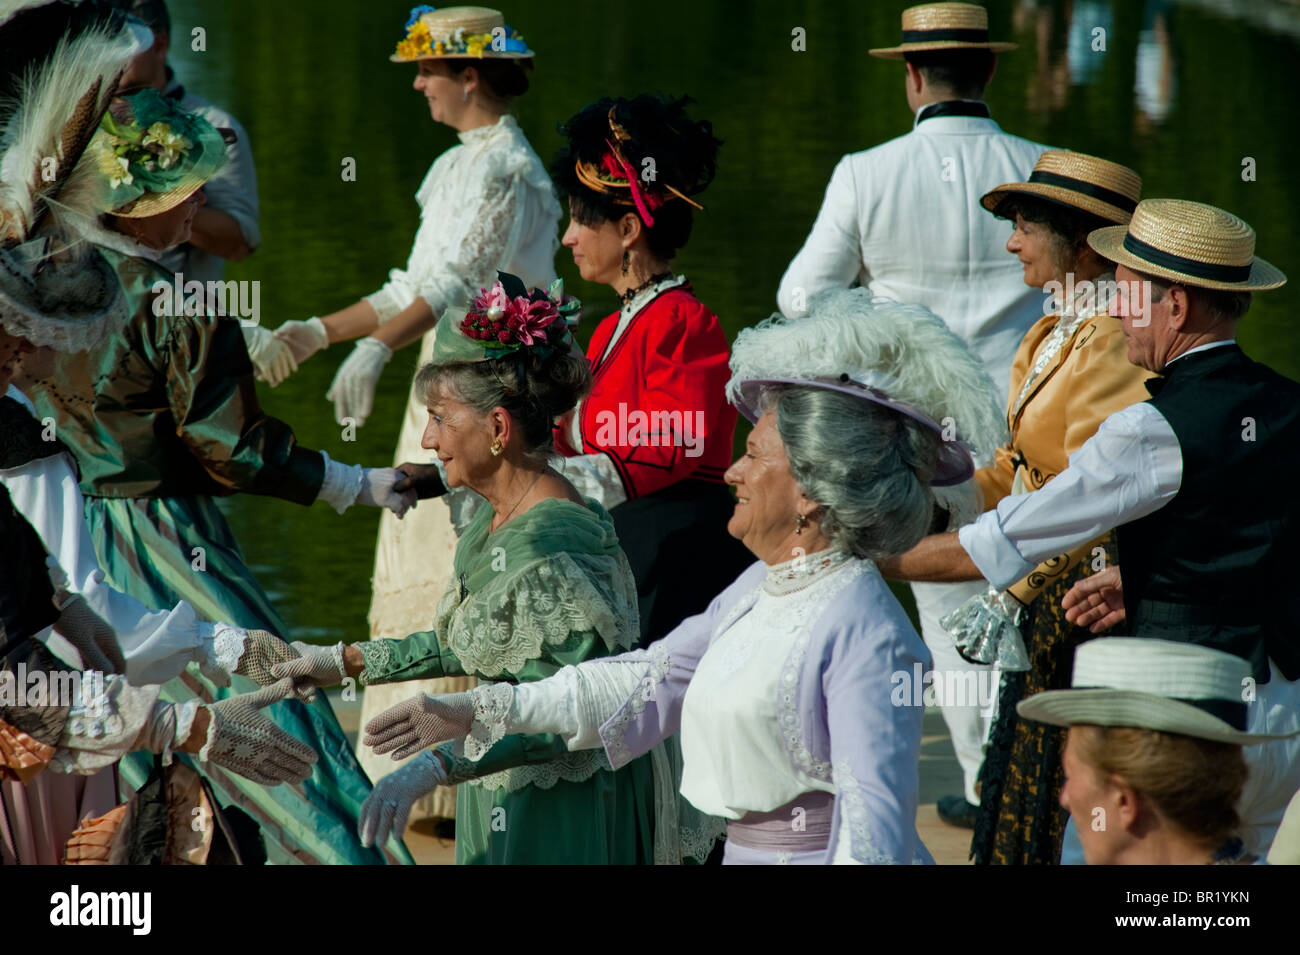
(648, 295)
(803, 571)
(481, 134)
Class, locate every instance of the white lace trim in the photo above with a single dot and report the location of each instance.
(855, 818)
(486, 203)
(542, 603)
(612, 733)
(492, 703)
(792, 734)
(802, 571)
(228, 646)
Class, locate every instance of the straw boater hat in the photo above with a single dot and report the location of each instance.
(1189, 243)
(459, 32)
(943, 26)
(1152, 684)
(1079, 181)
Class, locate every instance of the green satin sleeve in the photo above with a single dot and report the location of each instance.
(509, 752)
(416, 657)
(213, 401)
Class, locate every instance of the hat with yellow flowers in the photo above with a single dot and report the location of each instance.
(454, 32)
(153, 155)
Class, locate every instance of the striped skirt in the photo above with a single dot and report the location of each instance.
(162, 550)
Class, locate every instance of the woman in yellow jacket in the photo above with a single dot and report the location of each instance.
(1069, 374)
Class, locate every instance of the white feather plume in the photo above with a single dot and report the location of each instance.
(904, 350)
(48, 98)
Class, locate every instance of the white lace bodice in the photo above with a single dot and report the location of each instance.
(486, 204)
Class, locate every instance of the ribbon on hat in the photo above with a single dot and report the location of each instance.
(617, 172)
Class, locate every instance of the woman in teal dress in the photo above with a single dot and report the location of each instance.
(539, 583)
(164, 418)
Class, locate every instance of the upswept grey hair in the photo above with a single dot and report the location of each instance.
(868, 466)
(534, 390)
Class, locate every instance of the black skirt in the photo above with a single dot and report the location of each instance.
(681, 554)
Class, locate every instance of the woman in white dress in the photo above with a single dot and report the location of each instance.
(486, 204)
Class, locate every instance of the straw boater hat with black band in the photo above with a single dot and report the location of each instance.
(1077, 180)
(1153, 684)
(1189, 243)
(932, 27)
(459, 32)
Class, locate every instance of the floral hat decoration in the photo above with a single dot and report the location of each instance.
(506, 318)
(478, 32)
(153, 155)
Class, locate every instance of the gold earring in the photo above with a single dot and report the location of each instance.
(496, 448)
(800, 522)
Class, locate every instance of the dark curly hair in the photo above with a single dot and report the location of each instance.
(1069, 226)
(684, 152)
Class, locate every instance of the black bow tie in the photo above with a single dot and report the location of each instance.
(1154, 385)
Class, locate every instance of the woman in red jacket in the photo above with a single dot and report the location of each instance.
(653, 438)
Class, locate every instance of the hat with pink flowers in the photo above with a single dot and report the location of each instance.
(506, 318)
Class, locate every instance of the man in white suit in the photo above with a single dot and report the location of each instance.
(904, 220)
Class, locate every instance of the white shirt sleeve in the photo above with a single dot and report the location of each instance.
(1130, 468)
(594, 475)
(157, 645)
(577, 701)
(831, 257)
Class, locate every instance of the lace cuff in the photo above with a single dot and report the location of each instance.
(342, 484)
(985, 629)
(492, 705)
(220, 647)
(377, 656)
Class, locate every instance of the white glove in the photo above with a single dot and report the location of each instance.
(93, 638)
(377, 491)
(304, 338)
(386, 809)
(242, 740)
(272, 359)
(314, 666)
(420, 722)
(353, 390)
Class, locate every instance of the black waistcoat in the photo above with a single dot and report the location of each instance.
(1217, 565)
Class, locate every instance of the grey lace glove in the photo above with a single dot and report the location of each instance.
(420, 722)
(387, 808)
(93, 638)
(242, 740)
(312, 667)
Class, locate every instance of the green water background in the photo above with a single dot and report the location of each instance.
(1184, 92)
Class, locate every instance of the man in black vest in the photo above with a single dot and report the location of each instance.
(1199, 481)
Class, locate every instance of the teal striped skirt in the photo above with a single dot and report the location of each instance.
(162, 550)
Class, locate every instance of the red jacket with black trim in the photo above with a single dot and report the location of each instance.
(657, 407)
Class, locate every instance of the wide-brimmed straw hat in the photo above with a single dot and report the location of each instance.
(1189, 243)
(1079, 181)
(1153, 684)
(943, 26)
(459, 32)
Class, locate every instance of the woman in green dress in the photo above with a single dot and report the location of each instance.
(539, 583)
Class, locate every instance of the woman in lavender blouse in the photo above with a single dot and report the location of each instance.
(794, 691)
